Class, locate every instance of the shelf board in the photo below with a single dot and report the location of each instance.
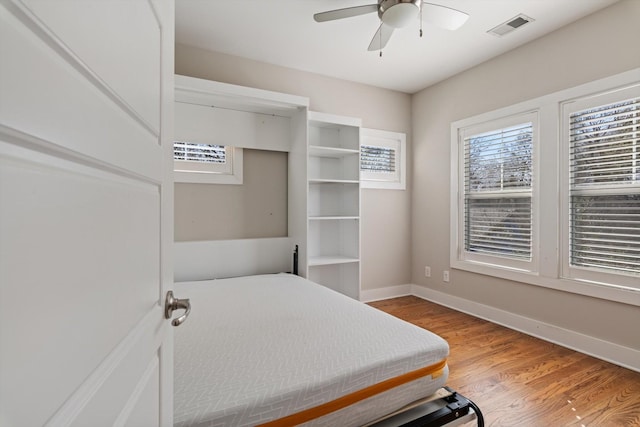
(322, 151)
(333, 181)
(331, 120)
(332, 217)
(330, 260)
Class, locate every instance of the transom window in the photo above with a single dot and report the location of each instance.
(196, 157)
(382, 159)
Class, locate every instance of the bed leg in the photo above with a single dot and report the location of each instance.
(453, 409)
(460, 400)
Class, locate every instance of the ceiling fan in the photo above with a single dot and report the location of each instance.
(397, 14)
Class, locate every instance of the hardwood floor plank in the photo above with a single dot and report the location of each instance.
(519, 380)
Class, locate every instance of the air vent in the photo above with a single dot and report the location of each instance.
(512, 24)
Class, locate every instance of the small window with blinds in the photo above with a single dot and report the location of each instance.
(197, 162)
(382, 159)
(604, 186)
(498, 176)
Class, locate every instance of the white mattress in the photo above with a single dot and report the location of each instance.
(259, 348)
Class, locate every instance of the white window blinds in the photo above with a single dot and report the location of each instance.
(194, 152)
(605, 187)
(377, 159)
(497, 192)
(196, 162)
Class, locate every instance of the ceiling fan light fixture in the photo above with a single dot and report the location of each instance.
(398, 13)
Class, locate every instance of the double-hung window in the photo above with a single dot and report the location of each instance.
(496, 192)
(602, 223)
(547, 191)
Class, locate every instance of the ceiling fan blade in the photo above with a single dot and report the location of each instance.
(345, 13)
(442, 16)
(381, 37)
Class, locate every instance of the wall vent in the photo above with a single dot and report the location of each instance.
(512, 24)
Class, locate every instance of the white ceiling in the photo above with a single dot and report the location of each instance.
(283, 32)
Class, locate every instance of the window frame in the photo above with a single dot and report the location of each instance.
(551, 215)
(463, 258)
(386, 139)
(574, 272)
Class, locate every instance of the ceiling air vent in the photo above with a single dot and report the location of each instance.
(510, 25)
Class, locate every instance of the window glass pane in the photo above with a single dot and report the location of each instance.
(605, 187)
(498, 182)
(604, 144)
(377, 159)
(194, 152)
(500, 159)
(605, 232)
(500, 226)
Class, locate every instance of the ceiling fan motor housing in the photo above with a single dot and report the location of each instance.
(398, 13)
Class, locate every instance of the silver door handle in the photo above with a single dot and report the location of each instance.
(171, 304)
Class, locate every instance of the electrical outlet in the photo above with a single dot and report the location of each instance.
(427, 272)
(445, 276)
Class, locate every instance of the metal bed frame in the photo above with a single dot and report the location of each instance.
(446, 407)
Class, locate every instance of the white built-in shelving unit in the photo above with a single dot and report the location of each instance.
(323, 188)
(333, 202)
(219, 113)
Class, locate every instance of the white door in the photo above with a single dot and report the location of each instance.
(86, 96)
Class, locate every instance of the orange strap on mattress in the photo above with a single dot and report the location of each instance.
(434, 370)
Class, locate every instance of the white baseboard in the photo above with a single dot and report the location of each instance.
(385, 293)
(601, 349)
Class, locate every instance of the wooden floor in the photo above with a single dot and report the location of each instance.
(518, 380)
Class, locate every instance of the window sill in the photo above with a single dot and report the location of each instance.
(382, 185)
(606, 291)
(205, 178)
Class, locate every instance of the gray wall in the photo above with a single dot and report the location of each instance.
(385, 237)
(594, 47)
(256, 208)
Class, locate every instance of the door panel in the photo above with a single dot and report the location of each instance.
(49, 94)
(129, 28)
(129, 387)
(85, 213)
(86, 255)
